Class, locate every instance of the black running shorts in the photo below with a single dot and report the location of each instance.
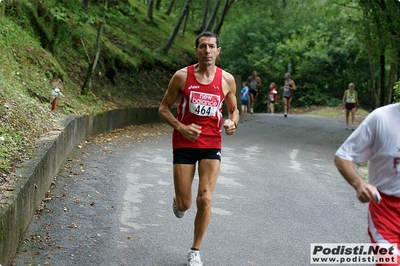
(254, 92)
(192, 155)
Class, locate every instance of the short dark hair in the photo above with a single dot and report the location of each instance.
(207, 34)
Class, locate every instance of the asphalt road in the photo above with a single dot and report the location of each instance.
(278, 192)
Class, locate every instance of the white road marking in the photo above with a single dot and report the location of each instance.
(293, 163)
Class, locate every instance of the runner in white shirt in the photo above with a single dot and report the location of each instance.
(377, 140)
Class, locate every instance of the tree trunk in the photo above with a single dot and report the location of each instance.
(158, 4)
(218, 27)
(205, 13)
(88, 80)
(382, 62)
(373, 85)
(375, 98)
(171, 5)
(85, 3)
(149, 17)
(185, 21)
(213, 16)
(393, 77)
(171, 38)
(392, 80)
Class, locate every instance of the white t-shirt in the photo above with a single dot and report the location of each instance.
(377, 140)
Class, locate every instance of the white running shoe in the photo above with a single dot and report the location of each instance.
(194, 258)
(177, 212)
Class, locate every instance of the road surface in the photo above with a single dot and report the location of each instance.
(278, 192)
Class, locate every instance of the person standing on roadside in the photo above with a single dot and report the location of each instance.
(245, 97)
(273, 97)
(377, 141)
(254, 83)
(350, 104)
(288, 89)
(200, 91)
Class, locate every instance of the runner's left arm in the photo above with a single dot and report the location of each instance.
(231, 102)
(293, 87)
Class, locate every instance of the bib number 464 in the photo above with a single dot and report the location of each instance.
(203, 110)
(203, 104)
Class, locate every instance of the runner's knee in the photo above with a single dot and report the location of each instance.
(204, 199)
(183, 203)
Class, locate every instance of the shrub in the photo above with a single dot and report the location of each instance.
(396, 91)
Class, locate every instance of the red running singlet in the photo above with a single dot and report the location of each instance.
(201, 104)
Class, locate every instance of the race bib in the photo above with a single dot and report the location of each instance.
(203, 104)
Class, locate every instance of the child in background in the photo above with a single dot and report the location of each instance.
(245, 97)
(273, 97)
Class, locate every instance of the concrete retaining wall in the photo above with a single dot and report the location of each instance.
(35, 177)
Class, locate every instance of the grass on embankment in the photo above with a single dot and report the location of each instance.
(131, 72)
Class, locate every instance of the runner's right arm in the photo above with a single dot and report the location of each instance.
(175, 86)
(365, 191)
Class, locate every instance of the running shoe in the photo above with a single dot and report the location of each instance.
(194, 259)
(177, 212)
(285, 115)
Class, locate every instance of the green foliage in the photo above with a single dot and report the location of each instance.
(12, 141)
(304, 44)
(10, 144)
(121, 12)
(321, 43)
(396, 91)
(30, 69)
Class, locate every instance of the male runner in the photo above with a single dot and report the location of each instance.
(377, 139)
(200, 90)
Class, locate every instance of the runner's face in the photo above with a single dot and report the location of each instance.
(207, 50)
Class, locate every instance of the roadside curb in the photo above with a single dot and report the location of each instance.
(35, 176)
